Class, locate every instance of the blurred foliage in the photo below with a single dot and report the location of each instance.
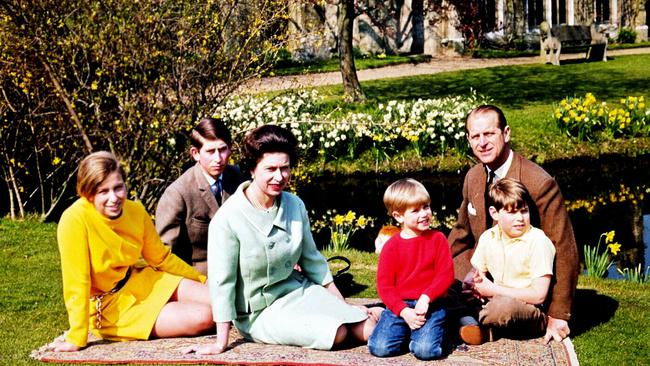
(626, 35)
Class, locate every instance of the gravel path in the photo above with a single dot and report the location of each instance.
(436, 65)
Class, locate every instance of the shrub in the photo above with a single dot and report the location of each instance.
(626, 35)
(127, 76)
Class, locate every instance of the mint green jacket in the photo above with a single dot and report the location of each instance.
(252, 254)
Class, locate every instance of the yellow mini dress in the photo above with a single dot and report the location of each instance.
(97, 254)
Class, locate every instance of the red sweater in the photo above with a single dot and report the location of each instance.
(411, 267)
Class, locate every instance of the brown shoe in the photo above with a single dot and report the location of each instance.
(475, 334)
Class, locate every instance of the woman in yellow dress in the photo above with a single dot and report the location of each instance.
(107, 288)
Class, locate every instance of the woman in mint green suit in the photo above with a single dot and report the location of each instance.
(255, 242)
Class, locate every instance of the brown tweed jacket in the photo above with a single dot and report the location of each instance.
(185, 210)
(549, 215)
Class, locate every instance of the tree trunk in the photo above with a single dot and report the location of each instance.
(352, 91)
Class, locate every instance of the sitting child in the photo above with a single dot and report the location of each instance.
(519, 261)
(415, 270)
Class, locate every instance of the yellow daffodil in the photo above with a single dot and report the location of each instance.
(609, 237)
(614, 248)
(338, 220)
(350, 216)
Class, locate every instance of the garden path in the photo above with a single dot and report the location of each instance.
(436, 65)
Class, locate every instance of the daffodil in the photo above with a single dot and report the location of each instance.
(338, 220)
(609, 237)
(614, 248)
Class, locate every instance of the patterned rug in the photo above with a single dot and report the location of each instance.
(169, 351)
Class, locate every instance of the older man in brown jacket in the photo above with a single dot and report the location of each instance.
(189, 203)
(489, 137)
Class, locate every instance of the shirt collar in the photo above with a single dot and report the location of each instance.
(501, 171)
(209, 178)
(497, 233)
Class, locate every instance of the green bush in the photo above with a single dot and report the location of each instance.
(626, 35)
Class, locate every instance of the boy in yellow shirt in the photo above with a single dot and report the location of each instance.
(513, 266)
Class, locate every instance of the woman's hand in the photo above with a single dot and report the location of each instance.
(60, 345)
(208, 349)
(373, 313)
(223, 332)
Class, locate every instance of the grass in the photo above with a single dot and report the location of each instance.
(612, 324)
(289, 67)
(526, 93)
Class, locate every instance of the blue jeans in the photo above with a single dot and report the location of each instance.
(392, 336)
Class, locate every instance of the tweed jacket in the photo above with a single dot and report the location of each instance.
(251, 258)
(186, 208)
(549, 214)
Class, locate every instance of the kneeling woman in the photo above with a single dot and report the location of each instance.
(101, 236)
(255, 241)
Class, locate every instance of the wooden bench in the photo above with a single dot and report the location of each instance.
(571, 37)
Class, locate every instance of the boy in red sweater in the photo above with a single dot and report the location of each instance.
(414, 272)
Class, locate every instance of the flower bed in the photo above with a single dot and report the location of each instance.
(427, 126)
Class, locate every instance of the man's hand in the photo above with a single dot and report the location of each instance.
(557, 329)
(413, 320)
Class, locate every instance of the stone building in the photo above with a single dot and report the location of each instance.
(436, 27)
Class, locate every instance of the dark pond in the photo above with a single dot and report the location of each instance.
(582, 181)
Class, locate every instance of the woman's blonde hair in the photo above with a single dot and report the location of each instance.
(93, 170)
(405, 193)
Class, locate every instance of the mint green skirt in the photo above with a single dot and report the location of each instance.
(306, 317)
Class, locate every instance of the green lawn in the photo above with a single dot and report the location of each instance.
(612, 318)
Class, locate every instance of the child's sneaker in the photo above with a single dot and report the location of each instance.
(475, 334)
